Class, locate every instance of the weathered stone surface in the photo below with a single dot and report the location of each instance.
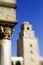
(7, 23)
(7, 14)
(11, 3)
(5, 48)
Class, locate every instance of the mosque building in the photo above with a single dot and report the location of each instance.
(27, 44)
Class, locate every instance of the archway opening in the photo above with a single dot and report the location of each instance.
(18, 63)
(12, 63)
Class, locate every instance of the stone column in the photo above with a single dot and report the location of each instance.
(7, 23)
(5, 45)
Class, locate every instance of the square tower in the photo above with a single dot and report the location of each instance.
(27, 45)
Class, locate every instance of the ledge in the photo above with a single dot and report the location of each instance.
(8, 23)
(7, 4)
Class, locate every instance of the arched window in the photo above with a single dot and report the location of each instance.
(27, 28)
(12, 63)
(18, 63)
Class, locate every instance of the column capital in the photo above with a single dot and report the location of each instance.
(5, 32)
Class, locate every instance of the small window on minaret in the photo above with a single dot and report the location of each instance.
(12, 63)
(27, 28)
(30, 45)
(31, 52)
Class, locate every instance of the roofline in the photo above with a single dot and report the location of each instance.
(16, 58)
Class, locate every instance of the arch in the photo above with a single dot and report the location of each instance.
(18, 63)
(12, 63)
(27, 28)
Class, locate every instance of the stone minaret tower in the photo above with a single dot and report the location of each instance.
(27, 45)
(7, 23)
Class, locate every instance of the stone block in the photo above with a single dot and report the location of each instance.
(10, 3)
(7, 14)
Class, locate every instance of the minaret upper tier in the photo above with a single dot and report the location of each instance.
(26, 26)
(26, 30)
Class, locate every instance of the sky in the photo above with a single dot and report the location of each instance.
(31, 11)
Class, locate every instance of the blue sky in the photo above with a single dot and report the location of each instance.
(31, 11)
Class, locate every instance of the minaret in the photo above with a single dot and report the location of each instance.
(27, 45)
(7, 24)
